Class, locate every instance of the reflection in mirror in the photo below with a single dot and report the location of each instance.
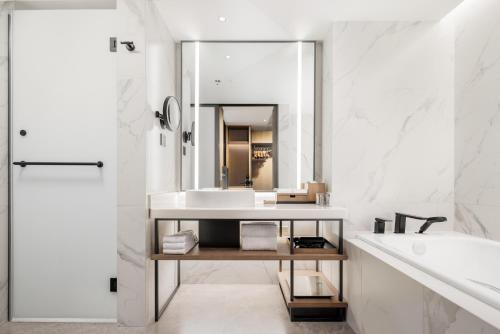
(253, 108)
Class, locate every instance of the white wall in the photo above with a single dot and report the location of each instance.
(133, 122)
(477, 117)
(388, 106)
(5, 8)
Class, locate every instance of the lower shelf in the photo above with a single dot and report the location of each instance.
(282, 253)
(312, 309)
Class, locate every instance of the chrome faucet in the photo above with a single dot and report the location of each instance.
(224, 177)
(400, 222)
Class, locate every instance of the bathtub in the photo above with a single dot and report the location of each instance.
(469, 264)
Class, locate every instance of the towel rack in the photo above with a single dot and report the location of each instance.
(99, 164)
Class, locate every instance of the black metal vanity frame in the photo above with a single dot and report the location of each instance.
(340, 316)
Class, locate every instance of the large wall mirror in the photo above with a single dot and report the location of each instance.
(248, 109)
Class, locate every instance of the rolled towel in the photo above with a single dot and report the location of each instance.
(259, 243)
(258, 229)
(182, 236)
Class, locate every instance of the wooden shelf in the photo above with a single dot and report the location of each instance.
(283, 253)
(332, 302)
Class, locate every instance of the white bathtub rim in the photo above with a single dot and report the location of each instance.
(480, 292)
(480, 309)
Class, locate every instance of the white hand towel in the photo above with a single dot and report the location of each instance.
(177, 251)
(259, 229)
(259, 243)
(179, 245)
(182, 236)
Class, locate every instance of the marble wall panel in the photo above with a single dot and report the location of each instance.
(388, 103)
(477, 119)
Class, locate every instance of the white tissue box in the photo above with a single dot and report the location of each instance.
(258, 229)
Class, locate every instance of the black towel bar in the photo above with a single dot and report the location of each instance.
(99, 164)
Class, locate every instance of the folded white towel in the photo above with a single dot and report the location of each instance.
(182, 236)
(259, 243)
(177, 251)
(178, 245)
(258, 229)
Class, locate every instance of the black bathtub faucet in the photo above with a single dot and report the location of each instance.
(400, 222)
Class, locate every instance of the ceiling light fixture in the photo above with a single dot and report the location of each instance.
(222, 19)
(228, 57)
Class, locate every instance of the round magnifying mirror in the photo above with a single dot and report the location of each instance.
(171, 113)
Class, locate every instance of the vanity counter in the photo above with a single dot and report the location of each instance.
(172, 206)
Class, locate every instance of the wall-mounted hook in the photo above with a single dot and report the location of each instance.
(129, 44)
(186, 136)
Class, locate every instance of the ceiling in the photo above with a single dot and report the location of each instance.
(287, 19)
(255, 73)
(256, 117)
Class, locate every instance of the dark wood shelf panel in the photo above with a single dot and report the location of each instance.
(332, 302)
(283, 253)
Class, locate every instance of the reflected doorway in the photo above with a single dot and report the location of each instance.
(244, 139)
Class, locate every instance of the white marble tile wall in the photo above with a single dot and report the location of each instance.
(477, 119)
(287, 165)
(388, 105)
(383, 300)
(327, 108)
(5, 8)
(162, 163)
(145, 78)
(132, 128)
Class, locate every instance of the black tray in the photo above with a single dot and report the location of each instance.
(311, 243)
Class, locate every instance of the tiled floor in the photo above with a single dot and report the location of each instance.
(207, 309)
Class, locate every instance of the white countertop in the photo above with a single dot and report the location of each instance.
(172, 206)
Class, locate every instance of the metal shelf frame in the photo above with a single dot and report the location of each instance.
(159, 310)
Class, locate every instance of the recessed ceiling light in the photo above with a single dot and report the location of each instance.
(222, 19)
(228, 57)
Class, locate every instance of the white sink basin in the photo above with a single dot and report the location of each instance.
(218, 198)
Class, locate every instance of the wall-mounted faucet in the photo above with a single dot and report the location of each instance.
(400, 222)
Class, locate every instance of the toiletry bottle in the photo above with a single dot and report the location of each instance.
(379, 225)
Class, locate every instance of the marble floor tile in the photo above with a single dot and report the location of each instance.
(205, 308)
